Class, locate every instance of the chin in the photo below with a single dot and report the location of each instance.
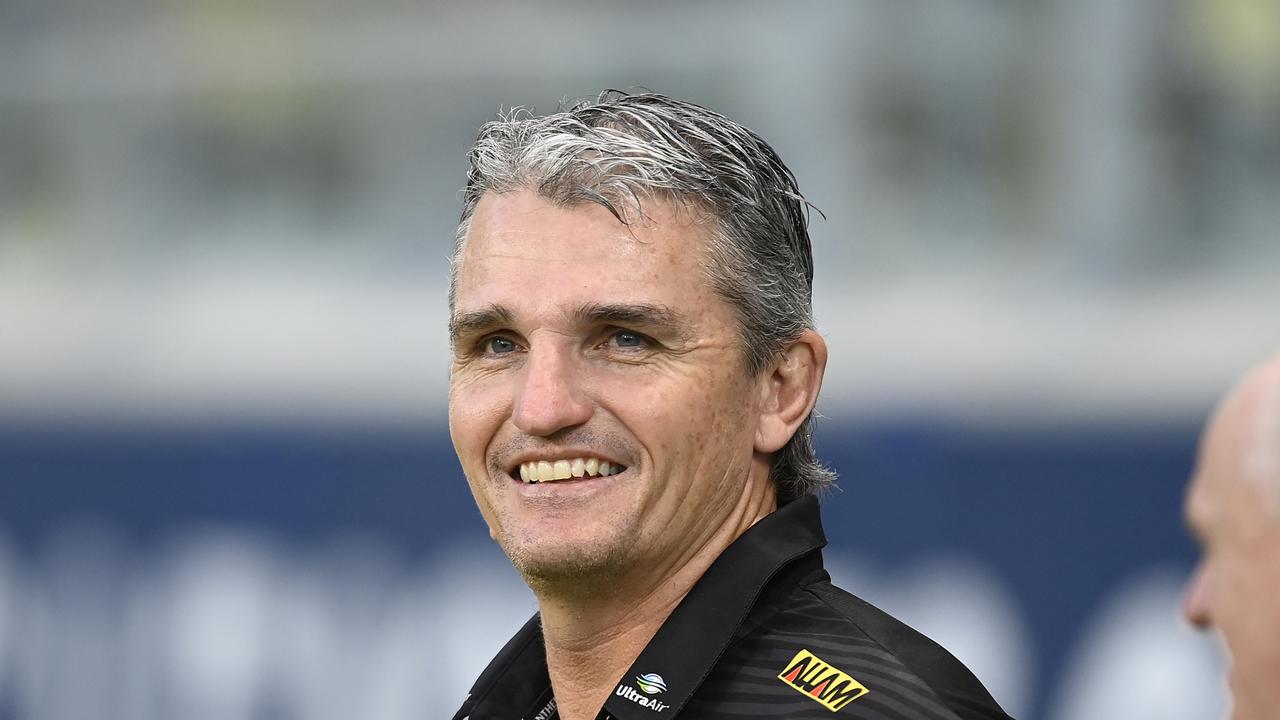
(567, 566)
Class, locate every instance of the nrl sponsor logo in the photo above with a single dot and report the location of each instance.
(651, 684)
(818, 680)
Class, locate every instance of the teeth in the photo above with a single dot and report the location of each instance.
(550, 470)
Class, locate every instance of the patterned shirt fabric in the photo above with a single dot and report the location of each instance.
(763, 633)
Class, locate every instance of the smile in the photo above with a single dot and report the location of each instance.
(537, 471)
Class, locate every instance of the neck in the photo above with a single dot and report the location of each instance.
(596, 629)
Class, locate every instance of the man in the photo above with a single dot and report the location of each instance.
(634, 368)
(1233, 507)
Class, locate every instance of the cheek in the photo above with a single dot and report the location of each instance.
(1244, 611)
(705, 418)
(1251, 595)
(476, 412)
(473, 424)
(729, 400)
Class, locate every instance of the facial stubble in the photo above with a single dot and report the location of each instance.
(589, 567)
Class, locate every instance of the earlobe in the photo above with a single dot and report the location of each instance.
(790, 390)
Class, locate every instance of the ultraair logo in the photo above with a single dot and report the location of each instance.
(816, 679)
(651, 684)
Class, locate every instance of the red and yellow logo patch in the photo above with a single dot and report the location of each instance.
(818, 680)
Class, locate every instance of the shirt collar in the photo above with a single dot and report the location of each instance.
(688, 644)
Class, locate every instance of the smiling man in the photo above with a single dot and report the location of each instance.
(1233, 508)
(634, 369)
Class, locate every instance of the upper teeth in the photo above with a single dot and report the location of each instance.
(543, 470)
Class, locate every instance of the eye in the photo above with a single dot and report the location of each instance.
(626, 338)
(499, 345)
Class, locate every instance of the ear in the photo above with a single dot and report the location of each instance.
(789, 390)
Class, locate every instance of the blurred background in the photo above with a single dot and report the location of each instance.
(226, 485)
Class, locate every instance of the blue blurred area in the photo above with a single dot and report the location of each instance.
(295, 483)
(1061, 517)
(1064, 516)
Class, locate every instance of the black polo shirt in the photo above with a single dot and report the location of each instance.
(763, 633)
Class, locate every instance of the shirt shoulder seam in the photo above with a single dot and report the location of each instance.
(810, 589)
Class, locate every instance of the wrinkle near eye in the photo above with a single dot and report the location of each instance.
(470, 324)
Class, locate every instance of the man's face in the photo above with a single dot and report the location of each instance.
(1236, 586)
(577, 338)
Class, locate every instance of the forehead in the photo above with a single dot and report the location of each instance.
(518, 242)
(1198, 503)
(1215, 459)
(1222, 485)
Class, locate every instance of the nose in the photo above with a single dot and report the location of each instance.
(550, 396)
(1195, 600)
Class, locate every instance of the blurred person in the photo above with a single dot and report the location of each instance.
(634, 370)
(1233, 508)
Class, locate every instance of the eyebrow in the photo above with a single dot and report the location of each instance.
(1193, 518)
(654, 317)
(476, 321)
(659, 318)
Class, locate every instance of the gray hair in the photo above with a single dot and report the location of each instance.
(620, 147)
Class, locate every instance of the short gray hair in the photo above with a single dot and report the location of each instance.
(620, 147)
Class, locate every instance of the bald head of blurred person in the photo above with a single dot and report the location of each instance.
(1233, 508)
